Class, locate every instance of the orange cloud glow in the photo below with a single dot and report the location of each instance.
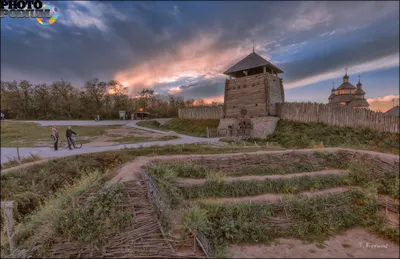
(384, 103)
(198, 57)
(218, 99)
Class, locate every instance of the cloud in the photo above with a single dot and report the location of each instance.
(44, 35)
(387, 98)
(86, 14)
(380, 63)
(184, 47)
(192, 60)
(309, 15)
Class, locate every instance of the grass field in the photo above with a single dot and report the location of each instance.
(196, 128)
(31, 134)
(290, 134)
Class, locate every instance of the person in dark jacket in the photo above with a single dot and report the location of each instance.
(69, 133)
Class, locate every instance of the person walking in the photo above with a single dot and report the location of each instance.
(69, 133)
(54, 135)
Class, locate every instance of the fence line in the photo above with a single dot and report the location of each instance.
(7, 208)
(159, 201)
(202, 112)
(205, 244)
(338, 116)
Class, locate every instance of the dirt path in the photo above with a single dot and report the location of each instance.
(187, 182)
(354, 243)
(271, 197)
(21, 166)
(383, 156)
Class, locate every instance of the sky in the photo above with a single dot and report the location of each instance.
(183, 48)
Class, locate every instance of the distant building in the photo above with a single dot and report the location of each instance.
(349, 95)
(253, 88)
(393, 111)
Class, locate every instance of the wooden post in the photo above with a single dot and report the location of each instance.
(18, 155)
(208, 133)
(386, 205)
(9, 220)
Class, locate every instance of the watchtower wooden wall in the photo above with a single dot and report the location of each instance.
(257, 93)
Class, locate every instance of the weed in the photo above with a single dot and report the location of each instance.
(290, 134)
(165, 179)
(15, 162)
(97, 219)
(196, 220)
(197, 128)
(218, 188)
(312, 218)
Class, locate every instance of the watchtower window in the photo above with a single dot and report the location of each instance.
(256, 104)
(234, 106)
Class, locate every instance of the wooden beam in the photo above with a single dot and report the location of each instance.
(9, 218)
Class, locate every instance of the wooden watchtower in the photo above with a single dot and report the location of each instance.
(254, 86)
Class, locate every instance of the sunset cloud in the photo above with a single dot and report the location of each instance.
(182, 48)
(196, 58)
(387, 98)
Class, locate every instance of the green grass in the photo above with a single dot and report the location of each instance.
(30, 133)
(196, 128)
(71, 215)
(311, 218)
(290, 134)
(99, 217)
(360, 171)
(220, 188)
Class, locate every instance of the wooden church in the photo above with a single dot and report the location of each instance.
(253, 88)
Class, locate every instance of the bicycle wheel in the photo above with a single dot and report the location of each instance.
(78, 144)
(64, 144)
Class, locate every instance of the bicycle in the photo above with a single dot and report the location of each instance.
(76, 144)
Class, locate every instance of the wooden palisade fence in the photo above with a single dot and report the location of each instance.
(202, 112)
(338, 116)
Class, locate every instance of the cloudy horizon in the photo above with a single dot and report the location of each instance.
(182, 48)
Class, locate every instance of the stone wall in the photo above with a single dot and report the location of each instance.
(262, 126)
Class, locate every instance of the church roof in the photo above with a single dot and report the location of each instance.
(359, 103)
(394, 111)
(359, 91)
(253, 60)
(346, 85)
(342, 98)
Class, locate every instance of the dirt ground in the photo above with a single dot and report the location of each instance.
(355, 243)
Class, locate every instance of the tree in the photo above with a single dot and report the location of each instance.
(145, 96)
(96, 89)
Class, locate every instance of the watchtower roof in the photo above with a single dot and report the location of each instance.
(253, 60)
